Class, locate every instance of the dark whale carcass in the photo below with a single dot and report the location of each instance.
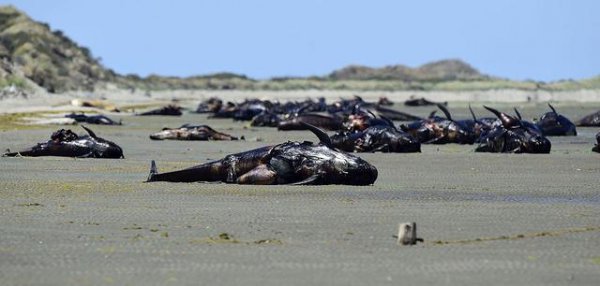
(66, 143)
(265, 119)
(478, 126)
(92, 119)
(528, 124)
(377, 138)
(554, 124)
(597, 147)
(361, 118)
(512, 136)
(365, 132)
(412, 101)
(300, 163)
(169, 110)
(321, 120)
(383, 100)
(395, 114)
(439, 130)
(592, 120)
(212, 104)
(191, 132)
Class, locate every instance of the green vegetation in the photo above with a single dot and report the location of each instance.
(445, 70)
(15, 121)
(590, 83)
(48, 58)
(12, 80)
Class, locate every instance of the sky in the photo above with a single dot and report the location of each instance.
(516, 39)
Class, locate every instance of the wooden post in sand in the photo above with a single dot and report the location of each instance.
(407, 234)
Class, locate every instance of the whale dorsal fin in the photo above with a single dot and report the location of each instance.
(445, 111)
(507, 120)
(472, 113)
(518, 114)
(89, 131)
(552, 107)
(372, 114)
(323, 137)
(153, 171)
(388, 121)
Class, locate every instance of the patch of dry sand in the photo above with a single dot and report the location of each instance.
(120, 97)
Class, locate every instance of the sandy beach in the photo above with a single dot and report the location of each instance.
(42, 101)
(505, 218)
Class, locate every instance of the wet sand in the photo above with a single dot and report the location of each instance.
(496, 219)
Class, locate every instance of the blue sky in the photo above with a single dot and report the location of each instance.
(517, 39)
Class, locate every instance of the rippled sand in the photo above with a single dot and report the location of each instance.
(486, 218)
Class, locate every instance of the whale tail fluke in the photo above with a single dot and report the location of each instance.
(153, 171)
